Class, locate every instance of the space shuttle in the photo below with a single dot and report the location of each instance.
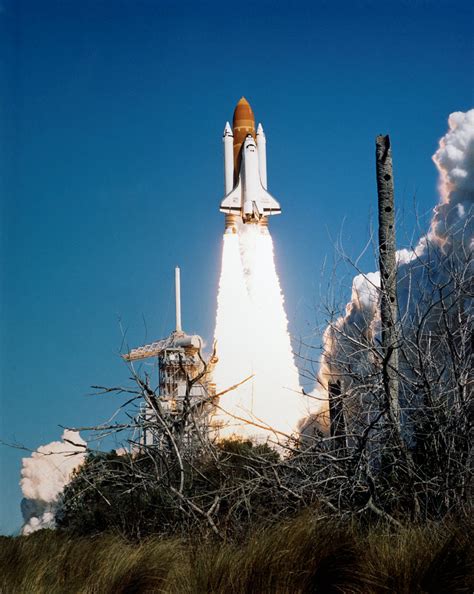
(245, 172)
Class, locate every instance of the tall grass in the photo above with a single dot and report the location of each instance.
(48, 563)
(302, 556)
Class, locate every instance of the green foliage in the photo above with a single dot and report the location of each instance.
(106, 494)
(305, 555)
(130, 494)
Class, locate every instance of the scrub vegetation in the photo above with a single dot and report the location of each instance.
(306, 554)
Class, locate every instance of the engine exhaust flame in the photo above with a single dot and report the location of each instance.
(253, 340)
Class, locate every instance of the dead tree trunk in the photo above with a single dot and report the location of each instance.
(388, 273)
(388, 302)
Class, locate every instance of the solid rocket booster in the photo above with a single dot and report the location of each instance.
(262, 155)
(245, 172)
(228, 140)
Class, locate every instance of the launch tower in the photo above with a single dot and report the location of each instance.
(180, 362)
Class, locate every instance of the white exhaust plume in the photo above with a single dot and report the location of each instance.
(44, 475)
(233, 325)
(451, 233)
(253, 341)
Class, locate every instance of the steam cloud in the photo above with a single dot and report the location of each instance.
(450, 236)
(44, 475)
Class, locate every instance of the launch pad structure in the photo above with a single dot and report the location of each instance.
(184, 377)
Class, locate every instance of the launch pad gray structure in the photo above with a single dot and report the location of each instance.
(184, 378)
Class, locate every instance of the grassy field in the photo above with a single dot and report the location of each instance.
(305, 555)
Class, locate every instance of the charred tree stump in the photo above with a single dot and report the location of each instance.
(388, 273)
(389, 304)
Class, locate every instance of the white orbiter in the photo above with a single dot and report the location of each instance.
(245, 172)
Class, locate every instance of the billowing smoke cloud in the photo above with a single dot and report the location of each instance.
(44, 475)
(450, 239)
(451, 223)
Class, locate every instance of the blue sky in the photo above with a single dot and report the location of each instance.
(111, 165)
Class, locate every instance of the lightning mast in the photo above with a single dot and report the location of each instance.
(177, 284)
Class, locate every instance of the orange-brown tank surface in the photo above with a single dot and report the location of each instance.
(242, 124)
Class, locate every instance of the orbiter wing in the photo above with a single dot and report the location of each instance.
(232, 203)
(264, 202)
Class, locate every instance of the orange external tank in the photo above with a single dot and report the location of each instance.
(243, 124)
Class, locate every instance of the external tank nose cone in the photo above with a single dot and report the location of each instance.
(243, 115)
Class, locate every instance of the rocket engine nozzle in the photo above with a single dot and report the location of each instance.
(231, 222)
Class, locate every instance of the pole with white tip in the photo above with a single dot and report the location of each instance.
(178, 299)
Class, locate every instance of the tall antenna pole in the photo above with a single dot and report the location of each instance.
(178, 299)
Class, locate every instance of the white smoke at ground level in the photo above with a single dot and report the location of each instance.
(44, 475)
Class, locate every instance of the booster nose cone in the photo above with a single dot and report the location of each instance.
(227, 130)
(243, 124)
